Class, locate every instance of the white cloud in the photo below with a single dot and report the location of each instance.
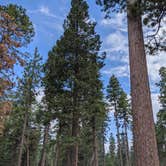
(116, 46)
(117, 42)
(155, 104)
(117, 22)
(40, 95)
(119, 71)
(45, 11)
(154, 64)
(51, 23)
(120, 57)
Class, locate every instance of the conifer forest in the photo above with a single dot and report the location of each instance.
(82, 83)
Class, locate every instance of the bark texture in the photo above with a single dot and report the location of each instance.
(145, 147)
(45, 142)
(22, 140)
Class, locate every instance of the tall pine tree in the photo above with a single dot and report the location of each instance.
(16, 31)
(113, 95)
(73, 81)
(27, 94)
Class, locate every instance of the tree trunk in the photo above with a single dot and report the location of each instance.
(45, 142)
(68, 157)
(145, 147)
(75, 130)
(28, 155)
(118, 139)
(95, 161)
(22, 140)
(103, 147)
(57, 154)
(126, 144)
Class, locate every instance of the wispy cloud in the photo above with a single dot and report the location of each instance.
(117, 41)
(48, 25)
(45, 11)
(53, 25)
(119, 71)
(154, 64)
(116, 22)
(118, 57)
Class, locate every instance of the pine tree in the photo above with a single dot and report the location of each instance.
(113, 95)
(111, 158)
(21, 134)
(43, 119)
(56, 104)
(73, 79)
(9, 140)
(161, 118)
(43, 160)
(102, 139)
(125, 117)
(112, 148)
(145, 146)
(16, 31)
(27, 92)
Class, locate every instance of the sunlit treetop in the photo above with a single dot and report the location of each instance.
(16, 31)
(22, 22)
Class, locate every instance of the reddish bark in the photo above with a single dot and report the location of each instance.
(145, 147)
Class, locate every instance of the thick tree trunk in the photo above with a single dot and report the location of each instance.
(45, 142)
(127, 145)
(95, 161)
(22, 140)
(75, 132)
(118, 139)
(145, 147)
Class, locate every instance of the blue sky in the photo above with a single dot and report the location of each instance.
(48, 16)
